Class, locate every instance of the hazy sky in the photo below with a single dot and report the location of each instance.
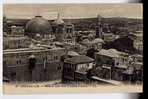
(49, 11)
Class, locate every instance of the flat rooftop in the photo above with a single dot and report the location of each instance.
(79, 59)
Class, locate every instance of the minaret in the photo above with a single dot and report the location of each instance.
(58, 16)
(99, 32)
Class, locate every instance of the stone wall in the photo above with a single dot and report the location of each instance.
(47, 67)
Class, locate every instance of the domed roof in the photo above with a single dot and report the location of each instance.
(98, 40)
(38, 25)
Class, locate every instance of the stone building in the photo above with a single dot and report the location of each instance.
(17, 31)
(138, 42)
(76, 68)
(16, 42)
(112, 63)
(33, 64)
(109, 37)
(15, 38)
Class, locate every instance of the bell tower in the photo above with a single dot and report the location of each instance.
(99, 30)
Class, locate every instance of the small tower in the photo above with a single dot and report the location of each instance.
(64, 32)
(5, 26)
(69, 35)
(59, 20)
(99, 32)
(58, 28)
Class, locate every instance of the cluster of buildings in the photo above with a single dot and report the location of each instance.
(44, 51)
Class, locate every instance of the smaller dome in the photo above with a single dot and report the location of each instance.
(13, 26)
(98, 40)
(38, 35)
(32, 56)
(72, 53)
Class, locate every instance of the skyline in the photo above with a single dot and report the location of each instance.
(72, 11)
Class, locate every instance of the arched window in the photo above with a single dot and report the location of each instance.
(32, 63)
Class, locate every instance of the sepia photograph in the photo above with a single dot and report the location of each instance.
(72, 48)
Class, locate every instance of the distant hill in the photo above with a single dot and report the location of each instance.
(116, 24)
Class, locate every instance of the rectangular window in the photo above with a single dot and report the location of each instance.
(20, 61)
(17, 62)
(55, 57)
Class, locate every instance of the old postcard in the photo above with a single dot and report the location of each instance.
(72, 48)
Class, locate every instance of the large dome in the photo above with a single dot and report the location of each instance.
(38, 25)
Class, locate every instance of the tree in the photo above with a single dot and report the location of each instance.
(91, 53)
